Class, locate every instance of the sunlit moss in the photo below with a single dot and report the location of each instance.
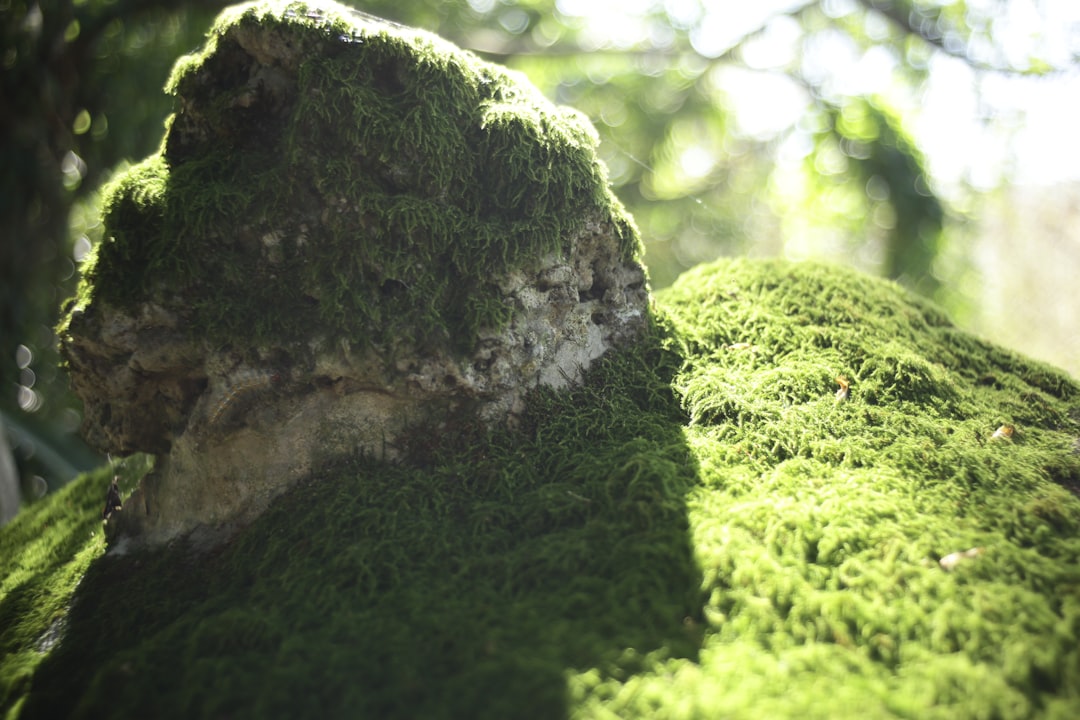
(818, 523)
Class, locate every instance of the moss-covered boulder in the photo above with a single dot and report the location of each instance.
(783, 490)
(354, 235)
(710, 525)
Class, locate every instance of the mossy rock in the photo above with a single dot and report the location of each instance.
(336, 190)
(354, 235)
(703, 528)
(331, 175)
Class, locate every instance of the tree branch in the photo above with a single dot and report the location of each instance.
(896, 15)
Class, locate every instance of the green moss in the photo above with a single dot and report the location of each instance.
(819, 523)
(44, 553)
(701, 530)
(377, 187)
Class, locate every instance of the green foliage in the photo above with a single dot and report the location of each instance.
(872, 180)
(416, 175)
(703, 529)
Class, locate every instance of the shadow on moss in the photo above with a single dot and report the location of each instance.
(464, 588)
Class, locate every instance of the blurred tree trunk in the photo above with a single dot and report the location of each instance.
(40, 79)
(64, 64)
(9, 480)
(51, 83)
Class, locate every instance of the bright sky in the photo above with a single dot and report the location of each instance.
(1040, 115)
(971, 127)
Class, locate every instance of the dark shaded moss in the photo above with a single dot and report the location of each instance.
(462, 589)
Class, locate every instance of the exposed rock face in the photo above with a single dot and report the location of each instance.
(353, 229)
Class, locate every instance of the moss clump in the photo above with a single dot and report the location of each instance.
(702, 529)
(332, 176)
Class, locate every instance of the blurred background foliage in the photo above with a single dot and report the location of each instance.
(728, 128)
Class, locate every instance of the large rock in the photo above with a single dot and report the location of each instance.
(354, 236)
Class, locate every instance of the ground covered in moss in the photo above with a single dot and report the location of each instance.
(703, 529)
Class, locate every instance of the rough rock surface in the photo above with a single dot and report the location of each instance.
(352, 230)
